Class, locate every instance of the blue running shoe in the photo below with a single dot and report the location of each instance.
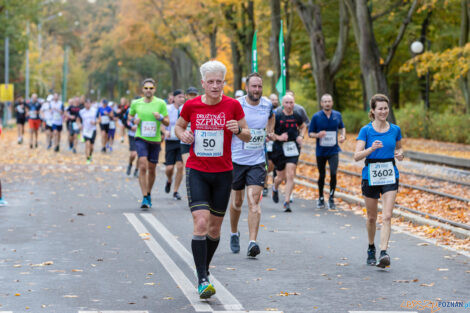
(371, 260)
(235, 242)
(145, 203)
(206, 290)
(149, 201)
(3, 202)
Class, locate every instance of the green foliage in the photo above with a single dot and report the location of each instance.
(354, 119)
(448, 126)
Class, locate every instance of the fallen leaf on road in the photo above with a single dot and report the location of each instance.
(44, 263)
(17, 294)
(422, 244)
(427, 285)
(344, 288)
(271, 309)
(271, 269)
(77, 270)
(285, 294)
(149, 284)
(273, 216)
(168, 298)
(17, 265)
(342, 264)
(70, 296)
(442, 269)
(230, 268)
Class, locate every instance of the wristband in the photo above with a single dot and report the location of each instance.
(239, 131)
(161, 118)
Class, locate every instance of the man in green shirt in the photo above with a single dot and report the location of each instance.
(151, 112)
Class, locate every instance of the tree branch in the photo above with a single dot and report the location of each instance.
(401, 33)
(342, 39)
(386, 12)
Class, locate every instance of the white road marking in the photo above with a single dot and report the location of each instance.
(226, 298)
(383, 312)
(112, 312)
(178, 276)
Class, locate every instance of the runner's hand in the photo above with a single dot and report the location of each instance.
(134, 128)
(342, 139)
(232, 125)
(136, 121)
(376, 145)
(157, 115)
(300, 140)
(399, 155)
(187, 137)
(282, 137)
(271, 137)
(321, 134)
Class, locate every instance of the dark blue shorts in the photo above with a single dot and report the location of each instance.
(57, 127)
(147, 149)
(185, 148)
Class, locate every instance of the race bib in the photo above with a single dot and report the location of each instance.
(258, 137)
(381, 174)
(104, 119)
(74, 126)
(269, 146)
(149, 129)
(290, 149)
(329, 140)
(88, 132)
(112, 125)
(20, 109)
(209, 143)
(33, 114)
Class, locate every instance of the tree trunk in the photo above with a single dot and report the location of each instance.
(274, 41)
(248, 29)
(323, 70)
(463, 40)
(181, 69)
(237, 66)
(288, 39)
(213, 42)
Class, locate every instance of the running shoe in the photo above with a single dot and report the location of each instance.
(103, 150)
(56, 149)
(291, 200)
(206, 290)
(371, 259)
(331, 204)
(36, 145)
(129, 168)
(287, 207)
(167, 186)
(88, 161)
(275, 196)
(48, 146)
(136, 172)
(253, 249)
(265, 192)
(110, 148)
(145, 203)
(74, 150)
(31, 146)
(122, 139)
(176, 196)
(235, 243)
(320, 203)
(149, 201)
(3, 202)
(384, 260)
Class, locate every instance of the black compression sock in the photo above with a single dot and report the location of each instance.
(199, 247)
(212, 244)
(383, 252)
(372, 246)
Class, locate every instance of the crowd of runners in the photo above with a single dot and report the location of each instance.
(226, 148)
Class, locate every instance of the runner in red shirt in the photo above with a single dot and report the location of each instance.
(215, 119)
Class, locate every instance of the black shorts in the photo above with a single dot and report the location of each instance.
(148, 149)
(91, 139)
(248, 175)
(185, 148)
(49, 127)
(57, 127)
(374, 192)
(71, 130)
(132, 143)
(280, 160)
(172, 152)
(20, 120)
(208, 191)
(104, 127)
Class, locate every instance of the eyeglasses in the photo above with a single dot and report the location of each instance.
(149, 88)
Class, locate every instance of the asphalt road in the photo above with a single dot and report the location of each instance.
(73, 239)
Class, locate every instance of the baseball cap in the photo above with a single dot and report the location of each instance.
(192, 90)
(177, 92)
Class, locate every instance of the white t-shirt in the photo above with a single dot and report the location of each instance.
(256, 117)
(173, 114)
(57, 110)
(46, 113)
(87, 117)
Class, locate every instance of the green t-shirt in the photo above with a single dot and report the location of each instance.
(149, 127)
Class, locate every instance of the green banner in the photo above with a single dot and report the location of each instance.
(281, 83)
(254, 55)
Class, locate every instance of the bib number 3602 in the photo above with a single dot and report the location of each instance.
(209, 143)
(381, 174)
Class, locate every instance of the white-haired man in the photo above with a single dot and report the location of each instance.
(214, 118)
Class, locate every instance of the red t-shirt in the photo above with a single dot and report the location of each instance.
(208, 153)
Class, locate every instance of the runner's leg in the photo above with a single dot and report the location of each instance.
(321, 163)
(333, 162)
(254, 210)
(178, 176)
(151, 176)
(143, 180)
(388, 200)
(290, 174)
(236, 202)
(371, 206)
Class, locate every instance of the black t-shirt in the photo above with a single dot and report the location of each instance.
(74, 111)
(20, 110)
(287, 124)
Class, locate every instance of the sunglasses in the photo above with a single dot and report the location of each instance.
(149, 88)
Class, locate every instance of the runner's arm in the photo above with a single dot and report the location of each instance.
(362, 153)
(181, 132)
(342, 136)
(399, 151)
(270, 127)
(243, 131)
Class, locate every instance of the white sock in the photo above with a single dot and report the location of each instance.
(252, 241)
(234, 234)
